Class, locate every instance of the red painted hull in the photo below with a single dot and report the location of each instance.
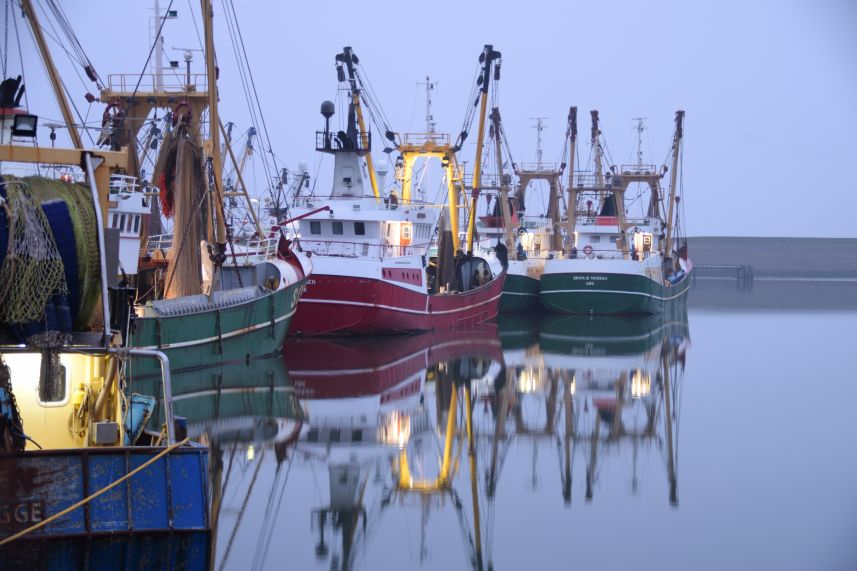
(343, 304)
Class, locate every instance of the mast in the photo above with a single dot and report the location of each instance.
(430, 85)
(571, 210)
(349, 60)
(504, 189)
(488, 56)
(539, 127)
(214, 126)
(596, 145)
(679, 118)
(53, 76)
(640, 127)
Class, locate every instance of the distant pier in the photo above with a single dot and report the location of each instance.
(743, 273)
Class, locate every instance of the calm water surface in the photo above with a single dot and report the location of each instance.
(723, 439)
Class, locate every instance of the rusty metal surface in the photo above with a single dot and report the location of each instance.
(169, 495)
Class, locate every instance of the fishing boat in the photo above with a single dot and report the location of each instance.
(374, 271)
(618, 264)
(84, 484)
(201, 299)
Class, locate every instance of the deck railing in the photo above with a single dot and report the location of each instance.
(252, 252)
(170, 82)
(346, 249)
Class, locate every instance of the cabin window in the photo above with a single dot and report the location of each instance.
(613, 239)
(359, 229)
(337, 227)
(122, 222)
(115, 221)
(595, 239)
(52, 388)
(136, 224)
(388, 230)
(315, 227)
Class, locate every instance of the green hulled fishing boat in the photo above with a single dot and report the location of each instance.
(617, 264)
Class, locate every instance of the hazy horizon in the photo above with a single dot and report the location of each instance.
(768, 87)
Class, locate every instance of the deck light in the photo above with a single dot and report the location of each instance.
(25, 125)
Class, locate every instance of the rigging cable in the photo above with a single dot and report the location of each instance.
(246, 61)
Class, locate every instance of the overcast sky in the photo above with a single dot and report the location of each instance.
(769, 87)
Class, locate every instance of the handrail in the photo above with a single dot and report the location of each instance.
(176, 83)
(362, 249)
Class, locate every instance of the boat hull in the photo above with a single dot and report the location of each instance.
(336, 304)
(160, 513)
(217, 337)
(609, 293)
(520, 294)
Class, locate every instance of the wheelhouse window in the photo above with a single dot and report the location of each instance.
(315, 227)
(137, 224)
(337, 227)
(359, 229)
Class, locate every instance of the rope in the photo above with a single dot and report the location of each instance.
(88, 499)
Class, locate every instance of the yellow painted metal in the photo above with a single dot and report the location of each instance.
(477, 170)
(106, 163)
(453, 178)
(214, 121)
(474, 491)
(54, 77)
(71, 157)
(571, 208)
(407, 177)
(364, 136)
(668, 425)
(434, 146)
(64, 423)
(406, 480)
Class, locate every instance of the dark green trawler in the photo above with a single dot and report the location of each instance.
(620, 265)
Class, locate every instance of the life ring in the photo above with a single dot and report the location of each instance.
(587, 250)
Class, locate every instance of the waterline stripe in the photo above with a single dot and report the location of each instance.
(399, 309)
(215, 338)
(653, 296)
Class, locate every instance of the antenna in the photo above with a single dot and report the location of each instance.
(188, 57)
(429, 85)
(539, 127)
(641, 126)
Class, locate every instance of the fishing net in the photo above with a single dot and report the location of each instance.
(181, 178)
(32, 271)
(82, 212)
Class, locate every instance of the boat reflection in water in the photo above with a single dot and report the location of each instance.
(600, 387)
(381, 413)
(412, 448)
(245, 414)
